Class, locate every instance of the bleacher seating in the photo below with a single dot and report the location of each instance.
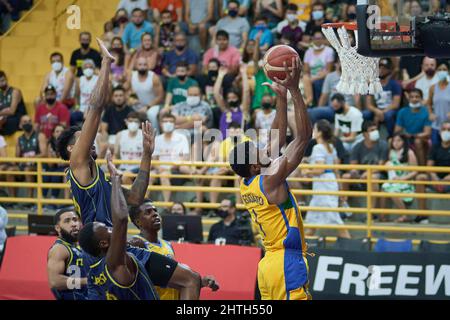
(351, 244)
(434, 246)
(391, 245)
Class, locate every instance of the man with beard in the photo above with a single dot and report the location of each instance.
(65, 268)
(124, 272)
(90, 190)
(147, 219)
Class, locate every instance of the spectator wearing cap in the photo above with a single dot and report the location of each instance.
(180, 53)
(84, 87)
(237, 27)
(83, 53)
(135, 29)
(382, 107)
(50, 113)
(12, 107)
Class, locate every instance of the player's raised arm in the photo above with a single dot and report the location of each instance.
(136, 195)
(296, 149)
(99, 98)
(277, 134)
(117, 258)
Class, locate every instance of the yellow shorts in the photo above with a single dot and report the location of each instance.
(283, 275)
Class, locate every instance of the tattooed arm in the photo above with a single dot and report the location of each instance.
(136, 195)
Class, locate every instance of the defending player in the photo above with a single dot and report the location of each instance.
(124, 272)
(65, 269)
(90, 190)
(283, 272)
(146, 218)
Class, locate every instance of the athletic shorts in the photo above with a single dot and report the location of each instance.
(160, 269)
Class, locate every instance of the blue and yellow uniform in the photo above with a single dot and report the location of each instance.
(92, 202)
(75, 268)
(102, 285)
(283, 272)
(164, 248)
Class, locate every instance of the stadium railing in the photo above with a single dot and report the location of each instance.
(368, 227)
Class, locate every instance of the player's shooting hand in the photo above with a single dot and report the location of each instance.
(280, 90)
(210, 282)
(293, 73)
(105, 53)
(113, 172)
(148, 134)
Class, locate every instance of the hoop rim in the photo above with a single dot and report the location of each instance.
(354, 26)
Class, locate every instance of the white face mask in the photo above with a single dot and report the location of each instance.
(445, 135)
(442, 75)
(291, 17)
(193, 100)
(57, 66)
(318, 47)
(168, 126)
(133, 126)
(415, 105)
(374, 135)
(89, 72)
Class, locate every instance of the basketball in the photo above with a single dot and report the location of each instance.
(273, 61)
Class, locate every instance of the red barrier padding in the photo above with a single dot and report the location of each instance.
(23, 274)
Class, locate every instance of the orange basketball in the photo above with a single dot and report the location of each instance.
(274, 59)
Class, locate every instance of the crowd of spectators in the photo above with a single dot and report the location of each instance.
(180, 63)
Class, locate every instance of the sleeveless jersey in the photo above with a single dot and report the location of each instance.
(92, 202)
(102, 285)
(58, 81)
(74, 264)
(144, 90)
(164, 248)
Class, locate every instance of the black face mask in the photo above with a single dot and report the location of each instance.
(266, 105)
(222, 213)
(430, 72)
(142, 72)
(234, 103)
(180, 48)
(382, 77)
(50, 101)
(182, 78)
(85, 46)
(233, 13)
(27, 127)
(213, 74)
(351, 16)
(340, 110)
(139, 24)
(4, 88)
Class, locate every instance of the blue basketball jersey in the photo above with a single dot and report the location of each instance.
(74, 267)
(92, 202)
(102, 285)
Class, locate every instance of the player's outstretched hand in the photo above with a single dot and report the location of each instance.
(280, 90)
(113, 172)
(292, 80)
(210, 282)
(148, 134)
(104, 50)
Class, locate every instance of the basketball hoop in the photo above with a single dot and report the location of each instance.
(360, 74)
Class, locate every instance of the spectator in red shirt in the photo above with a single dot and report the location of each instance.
(174, 6)
(51, 113)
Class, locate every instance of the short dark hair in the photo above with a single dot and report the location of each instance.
(245, 149)
(134, 114)
(215, 60)
(324, 127)
(85, 33)
(292, 7)
(222, 33)
(137, 10)
(232, 201)
(88, 241)
(60, 212)
(316, 4)
(416, 90)
(234, 125)
(134, 211)
(168, 115)
(367, 124)
(234, 1)
(57, 54)
(259, 18)
(339, 97)
(66, 138)
(182, 64)
(118, 88)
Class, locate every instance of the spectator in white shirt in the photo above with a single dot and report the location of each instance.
(428, 77)
(171, 146)
(85, 85)
(348, 122)
(129, 145)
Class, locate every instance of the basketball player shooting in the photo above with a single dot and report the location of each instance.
(283, 272)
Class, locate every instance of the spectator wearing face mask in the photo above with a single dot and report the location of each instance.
(62, 79)
(135, 29)
(244, 6)
(171, 146)
(371, 151)
(165, 32)
(12, 107)
(118, 75)
(439, 102)
(227, 230)
(237, 27)
(84, 87)
(180, 54)
(414, 123)
(177, 87)
(120, 21)
(316, 20)
(266, 38)
(428, 77)
(350, 13)
(264, 118)
(148, 52)
(291, 28)
(83, 53)
(51, 113)
(129, 145)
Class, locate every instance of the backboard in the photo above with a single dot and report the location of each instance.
(403, 27)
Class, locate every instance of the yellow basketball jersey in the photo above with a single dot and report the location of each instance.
(280, 226)
(164, 248)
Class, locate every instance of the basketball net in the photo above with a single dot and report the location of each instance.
(359, 74)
